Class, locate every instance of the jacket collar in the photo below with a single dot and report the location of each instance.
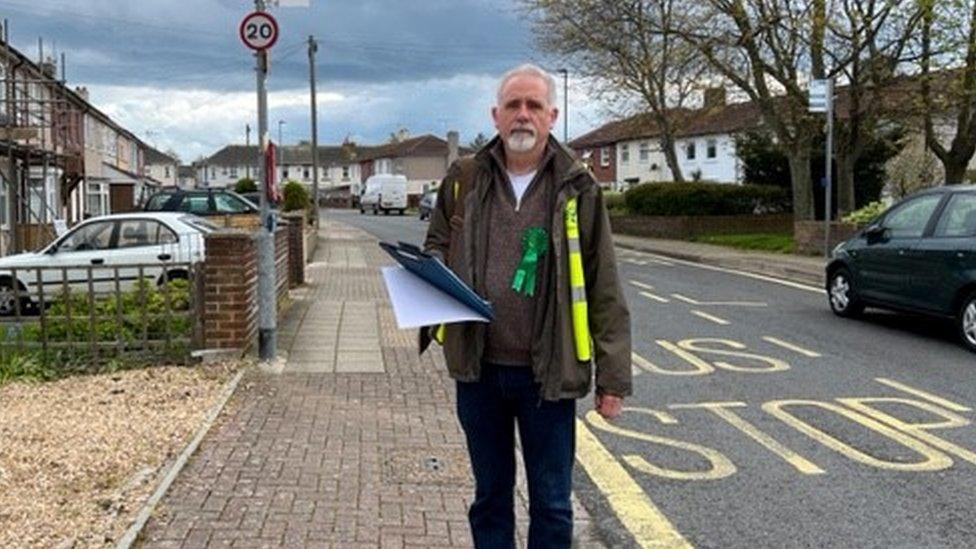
(566, 166)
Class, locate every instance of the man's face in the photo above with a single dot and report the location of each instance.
(523, 115)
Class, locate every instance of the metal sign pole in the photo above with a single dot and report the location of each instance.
(828, 165)
(267, 300)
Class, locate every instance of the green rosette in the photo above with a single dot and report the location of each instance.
(535, 242)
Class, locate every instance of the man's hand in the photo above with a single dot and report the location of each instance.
(608, 406)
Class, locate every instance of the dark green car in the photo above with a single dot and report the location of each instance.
(919, 256)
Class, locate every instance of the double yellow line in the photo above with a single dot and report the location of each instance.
(638, 514)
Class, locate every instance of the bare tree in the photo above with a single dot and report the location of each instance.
(630, 51)
(948, 82)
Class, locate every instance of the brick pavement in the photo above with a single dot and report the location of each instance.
(343, 448)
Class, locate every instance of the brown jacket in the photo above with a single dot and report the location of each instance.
(554, 360)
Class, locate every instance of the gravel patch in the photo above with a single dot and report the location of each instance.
(79, 456)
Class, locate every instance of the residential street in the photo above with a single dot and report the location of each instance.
(759, 419)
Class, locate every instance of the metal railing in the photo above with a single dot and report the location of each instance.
(84, 316)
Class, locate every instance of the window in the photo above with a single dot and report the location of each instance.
(909, 219)
(345, 173)
(624, 154)
(136, 232)
(223, 170)
(96, 199)
(284, 173)
(213, 173)
(225, 203)
(94, 236)
(305, 174)
(645, 152)
(233, 171)
(605, 156)
(690, 151)
(711, 149)
(195, 203)
(157, 202)
(959, 217)
(166, 172)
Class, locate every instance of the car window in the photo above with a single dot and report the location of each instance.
(144, 232)
(226, 203)
(93, 236)
(909, 219)
(959, 217)
(197, 203)
(157, 202)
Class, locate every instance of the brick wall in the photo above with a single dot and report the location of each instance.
(281, 264)
(230, 290)
(296, 248)
(682, 227)
(809, 235)
(602, 174)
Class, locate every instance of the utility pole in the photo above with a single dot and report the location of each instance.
(312, 48)
(267, 300)
(281, 151)
(565, 73)
(247, 150)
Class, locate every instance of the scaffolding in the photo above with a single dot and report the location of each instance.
(42, 139)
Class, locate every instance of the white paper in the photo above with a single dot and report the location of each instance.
(417, 303)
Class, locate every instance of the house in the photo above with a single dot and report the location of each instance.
(423, 160)
(162, 168)
(626, 152)
(186, 177)
(337, 165)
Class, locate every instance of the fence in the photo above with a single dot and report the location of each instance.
(77, 317)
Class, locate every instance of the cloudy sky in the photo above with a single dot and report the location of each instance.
(175, 73)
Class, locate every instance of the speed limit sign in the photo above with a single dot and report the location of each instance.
(259, 31)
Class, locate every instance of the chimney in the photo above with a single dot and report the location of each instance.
(83, 92)
(452, 147)
(49, 69)
(714, 97)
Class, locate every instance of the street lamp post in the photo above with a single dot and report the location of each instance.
(565, 74)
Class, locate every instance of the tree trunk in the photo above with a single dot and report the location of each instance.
(955, 169)
(802, 188)
(671, 157)
(845, 184)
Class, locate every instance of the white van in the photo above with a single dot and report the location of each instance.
(384, 193)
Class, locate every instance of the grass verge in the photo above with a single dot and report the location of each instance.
(767, 242)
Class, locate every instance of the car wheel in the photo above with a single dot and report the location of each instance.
(8, 300)
(966, 322)
(841, 295)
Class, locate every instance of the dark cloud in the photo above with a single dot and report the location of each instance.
(193, 44)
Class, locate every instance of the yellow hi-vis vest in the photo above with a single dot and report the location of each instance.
(577, 286)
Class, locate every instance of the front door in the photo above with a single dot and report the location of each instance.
(885, 262)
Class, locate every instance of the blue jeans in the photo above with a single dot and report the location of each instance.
(489, 411)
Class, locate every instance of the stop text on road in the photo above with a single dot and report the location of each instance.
(259, 30)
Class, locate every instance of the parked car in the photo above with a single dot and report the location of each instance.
(156, 245)
(200, 202)
(919, 256)
(384, 193)
(427, 204)
(255, 199)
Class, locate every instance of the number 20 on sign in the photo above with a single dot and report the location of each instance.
(259, 30)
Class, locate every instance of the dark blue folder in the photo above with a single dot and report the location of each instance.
(432, 270)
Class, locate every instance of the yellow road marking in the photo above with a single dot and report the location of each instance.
(642, 285)
(712, 318)
(923, 394)
(645, 522)
(791, 347)
(653, 297)
(721, 409)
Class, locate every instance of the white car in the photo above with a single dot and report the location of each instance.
(97, 251)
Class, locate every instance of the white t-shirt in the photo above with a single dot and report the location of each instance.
(519, 185)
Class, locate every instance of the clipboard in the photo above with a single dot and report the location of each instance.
(434, 272)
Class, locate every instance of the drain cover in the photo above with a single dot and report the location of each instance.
(444, 465)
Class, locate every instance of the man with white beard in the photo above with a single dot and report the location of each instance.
(524, 224)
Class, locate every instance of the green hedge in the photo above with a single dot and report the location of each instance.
(673, 199)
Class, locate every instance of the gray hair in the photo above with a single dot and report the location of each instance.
(531, 70)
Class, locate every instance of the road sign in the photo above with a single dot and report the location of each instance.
(259, 30)
(818, 95)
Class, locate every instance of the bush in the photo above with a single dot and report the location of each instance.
(296, 197)
(615, 202)
(672, 199)
(245, 185)
(866, 214)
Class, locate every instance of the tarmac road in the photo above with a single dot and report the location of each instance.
(759, 419)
